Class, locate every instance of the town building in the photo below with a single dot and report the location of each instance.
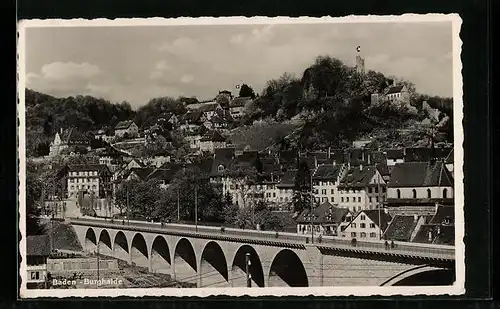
(362, 187)
(212, 140)
(367, 225)
(126, 129)
(285, 189)
(209, 109)
(440, 229)
(222, 120)
(394, 93)
(94, 178)
(416, 187)
(192, 120)
(158, 159)
(38, 249)
(326, 178)
(326, 219)
(65, 139)
(404, 228)
(237, 106)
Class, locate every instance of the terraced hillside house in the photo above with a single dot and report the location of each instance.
(192, 120)
(325, 219)
(326, 178)
(65, 139)
(367, 224)
(237, 106)
(212, 140)
(416, 187)
(362, 188)
(209, 109)
(92, 178)
(127, 128)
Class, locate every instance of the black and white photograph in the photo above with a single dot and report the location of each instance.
(241, 156)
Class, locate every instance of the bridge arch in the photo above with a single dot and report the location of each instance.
(422, 275)
(90, 240)
(120, 247)
(105, 245)
(139, 251)
(160, 256)
(238, 268)
(213, 266)
(185, 268)
(287, 270)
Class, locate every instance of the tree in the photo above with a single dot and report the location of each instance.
(302, 188)
(230, 210)
(269, 221)
(244, 177)
(246, 91)
(34, 191)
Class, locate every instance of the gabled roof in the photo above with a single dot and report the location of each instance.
(288, 179)
(161, 174)
(214, 136)
(358, 176)
(395, 89)
(72, 135)
(123, 125)
(324, 213)
(141, 172)
(38, 245)
(383, 169)
(203, 107)
(374, 215)
(401, 228)
(440, 234)
(327, 172)
(444, 215)
(192, 117)
(395, 154)
(420, 174)
(425, 154)
(239, 102)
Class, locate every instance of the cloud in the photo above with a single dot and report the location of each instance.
(186, 78)
(69, 70)
(160, 70)
(261, 34)
(179, 45)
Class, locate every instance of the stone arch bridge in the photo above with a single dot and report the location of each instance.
(210, 257)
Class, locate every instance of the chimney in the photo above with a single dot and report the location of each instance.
(329, 152)
(369, 159)
(60, 130)
(415, 218)
(430, 236)
(361, 167)
(439, 230)
(334, 162)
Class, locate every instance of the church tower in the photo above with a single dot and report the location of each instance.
(360, 62)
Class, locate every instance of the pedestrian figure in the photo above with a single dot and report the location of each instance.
(123, 222)
(277, 234)
(353, 242)
(386, 245)
(392, 244)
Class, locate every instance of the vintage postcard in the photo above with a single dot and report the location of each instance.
(241, 156)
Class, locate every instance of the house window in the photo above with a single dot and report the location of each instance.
(370, 199)
(414, 192)
(445, 193)
(347, 199)
(429, 194)
(376, 189)
(333, 199)
(372, 234)
(342, 199)
(35, 275)
(323, 199)
(353, 225)
(372, 225)
(72, 187)
(353, 234)
(362, 225)
(370, 190)
(363, 217)
(332, 191)
(376, 199)
(383, 189)
(363, 235)
(323, 191)
(274, 194)
(399, 193)
(359, 199)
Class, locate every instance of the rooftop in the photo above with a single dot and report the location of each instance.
(122, 125)
(324, 213)
(421, 174)
(401, 228)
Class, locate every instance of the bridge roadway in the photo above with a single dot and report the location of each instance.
(196, 253)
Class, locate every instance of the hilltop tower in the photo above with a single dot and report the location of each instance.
(360, 61)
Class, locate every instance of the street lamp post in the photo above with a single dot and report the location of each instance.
(248, 263)
(312, 211)
(196, 207)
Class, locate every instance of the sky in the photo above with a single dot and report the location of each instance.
(137, 63)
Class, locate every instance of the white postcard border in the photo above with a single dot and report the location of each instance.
(458, 288)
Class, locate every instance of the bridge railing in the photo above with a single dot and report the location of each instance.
(441, 251)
